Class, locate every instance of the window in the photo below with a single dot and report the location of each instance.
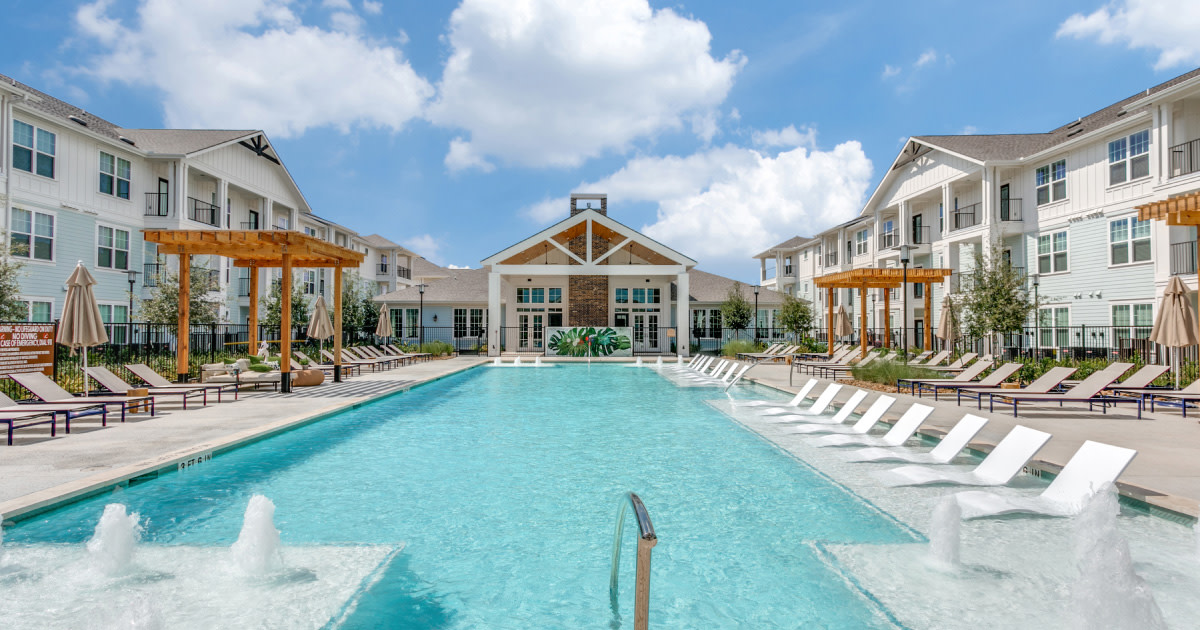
(1128, 241)
(622, 296)
(918, 290)
(33, 149)
(477, 322)
(313, 233)
(309, 279)
(460, 322)
(527, 295)
(1054, 326)
(114, 175)
(806, 255)
(1052, 252)
(860, 243)
(1051, 181)
(941, 219)
(32, 234)
(38, 311)
(1132, 321)
(410, 322)
(714, 322)
(555, 295)
(115, 314)
(787, 266)
(112, 248)
(1129, 158)
(639, 296)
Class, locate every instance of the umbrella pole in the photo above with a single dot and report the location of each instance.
(85, 377)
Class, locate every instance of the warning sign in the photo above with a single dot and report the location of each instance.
(27, 348)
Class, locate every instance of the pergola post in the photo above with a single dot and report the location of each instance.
(337, 324)
(285, 325)
(829, 329)
(181, 330)
(252, 319)
(862, 318)
(928, 316)
(887, 318)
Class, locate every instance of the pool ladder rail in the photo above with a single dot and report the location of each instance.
(645, 544)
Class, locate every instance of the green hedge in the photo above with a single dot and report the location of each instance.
(737, 346)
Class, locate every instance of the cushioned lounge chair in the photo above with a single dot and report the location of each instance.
(872, 416)
(48, 391)
(904, 428)
(997, 469)
(1087, 391)
(117, 385)
(154, 379)
(951, 445)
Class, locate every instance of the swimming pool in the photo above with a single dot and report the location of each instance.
(502, 487)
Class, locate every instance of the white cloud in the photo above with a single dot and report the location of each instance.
(252, 64)
(458, 266)
(787, 137)
(425, 245)
(969, 130)
(372, 8)
(555, 82)
(727, 203)
(346, 22)
(337, 4)
(926, 58)
(890, 71)
(1167, 26)
(463, 156)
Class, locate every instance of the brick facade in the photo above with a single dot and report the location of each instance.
(587, 298)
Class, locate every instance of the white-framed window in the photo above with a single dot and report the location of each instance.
(39, 310)
(33, 149)
(1052, 252)
(477, 320)
(313, 233)
(32, 234)
(860, 242)
(806, 255)
(531, 295)
(115, 174)
(1051, 181)
(460, 322)
(411, 316)
(1132, 321)
(787, 265)
(1055, 326)
(112, 248)
(646, 296)
(114, 317)
(554, 295)
(309, 279)
(1129, 158)
(1128, 241)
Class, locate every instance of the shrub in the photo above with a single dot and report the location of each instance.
(887, 372)
(736, 346)
(437, 348)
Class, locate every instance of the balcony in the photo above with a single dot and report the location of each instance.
(382, 269)
(250, 225)
(158, 205)
(920, 236)
(243, 287)
(831, 259)
(203, 212)
(404, 272)
(963, 218)
(1185, 158)
(154, 274)
(888, 240)
(1010, 210)
(1183, 258)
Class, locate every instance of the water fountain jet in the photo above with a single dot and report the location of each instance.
(256, 552)
(945, 538)
(517, 362)
(112, 545)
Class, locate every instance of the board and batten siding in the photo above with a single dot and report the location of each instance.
(256, 174)
(924, 174)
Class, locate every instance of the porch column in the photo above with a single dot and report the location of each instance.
(252, 320)
(285, 325)
(947, 207)
(829, 329)
(989, 176)
(862, 319)
(222, 204)
(928, 315)
(494, 314)
(887, 318)
(683, 315)
(181, 330)
(337, 324)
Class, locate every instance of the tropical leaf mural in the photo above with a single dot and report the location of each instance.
(582, 342)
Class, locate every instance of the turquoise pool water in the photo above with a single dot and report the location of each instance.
(503, 485)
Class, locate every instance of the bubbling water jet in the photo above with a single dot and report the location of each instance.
(945, 532)
(256, 552)
(112, 545)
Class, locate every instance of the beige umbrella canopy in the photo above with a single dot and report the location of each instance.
(841, 323)
(81, 326)
(947, 329)
(1175, 326)
(319, 326)
(384, 327)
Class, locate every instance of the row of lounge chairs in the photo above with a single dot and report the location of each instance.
(704, 370)
(1092, 465)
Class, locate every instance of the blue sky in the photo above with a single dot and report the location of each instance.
(719, 128)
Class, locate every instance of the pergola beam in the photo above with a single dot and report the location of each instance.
(1182, 210)
(867, 278)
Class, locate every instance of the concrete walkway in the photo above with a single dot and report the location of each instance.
(1165, 473)
(39, 470)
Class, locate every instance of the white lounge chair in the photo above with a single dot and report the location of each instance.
(1092, 466)
(864, 424)
(818, 407)
(946, 450)
(997, 469)
(843, 413)
(904, 428)
(794, 402)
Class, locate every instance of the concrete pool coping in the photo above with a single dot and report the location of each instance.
(43, 500)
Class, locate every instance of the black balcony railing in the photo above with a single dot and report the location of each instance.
(154, 274)
(250, 225)
(1185, 158)
(158, 205)
(203, 212)
(888, 240)
(831, 259)
(382, 269)
(963, 218)
(919, 236)
(280, 227)
(404, 272)
(1183, 258)
(1010, 210)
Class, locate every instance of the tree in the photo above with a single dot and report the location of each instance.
(274, 306)
(12, 309)
(358, 311)
(993, 300)
(163, 304)
(736, 312)
(795, 316)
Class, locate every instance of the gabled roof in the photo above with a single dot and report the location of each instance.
(791, 243)
(459, 286)
(184, 141)
(595, 217)
(46, 104)
(379, 242)
(422, 268)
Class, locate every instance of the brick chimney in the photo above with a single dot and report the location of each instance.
(589, 200)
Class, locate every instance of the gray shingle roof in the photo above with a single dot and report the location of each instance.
(183, 141)
(53, 107)
(710, 288)
(422, 268)
(379, 242)
(791, 243)
(459, 286)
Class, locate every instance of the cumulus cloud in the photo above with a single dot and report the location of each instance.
(458, 266)
(425, 245)
(462, 155)
(372, 8)
(1167, 26)
(555, 82)
(727, 203)
(890, 71)
(926, 58)
(787, 137)
(253, 64)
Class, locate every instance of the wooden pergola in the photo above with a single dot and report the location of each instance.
(880, 278)
(257, 249)
(1181, 210)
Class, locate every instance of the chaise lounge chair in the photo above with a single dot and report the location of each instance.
(1087, 391)
(18, 416)
(117, 385)
(864, 424)
(946, 450)
(154, 379)
(347, 368)
(794, 402)
(997, 469)
(904, 428)
(48, 391)
(1092, 466)
(998, 376)
(818, 407)
(1042, 385)
(967, 375)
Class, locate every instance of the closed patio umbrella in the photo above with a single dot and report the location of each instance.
(81, 326)
(1175, 326)
(384, 327)
(319, 326)
(947, 329)
(841, 323)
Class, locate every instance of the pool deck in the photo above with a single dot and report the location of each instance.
(1165, 474)
(40, 471)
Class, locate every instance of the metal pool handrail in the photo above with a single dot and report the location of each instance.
(646, 542)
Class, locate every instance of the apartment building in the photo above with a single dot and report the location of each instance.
(1059, 204)
(76, 187)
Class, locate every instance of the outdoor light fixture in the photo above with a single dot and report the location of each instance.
(756, 312)
(421, 316)
(1037, 319)
(132, 281)
(904, 258)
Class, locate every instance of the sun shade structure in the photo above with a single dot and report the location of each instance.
(1181, 210)
(81, 325)
(1175, 326)
(257, 249)
(880, 278)
(948, 322)
(384, 327)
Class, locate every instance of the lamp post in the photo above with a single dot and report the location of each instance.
(421, 316)
(904, 252)
(1037, 319)
(132, 281)
(756, 313)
